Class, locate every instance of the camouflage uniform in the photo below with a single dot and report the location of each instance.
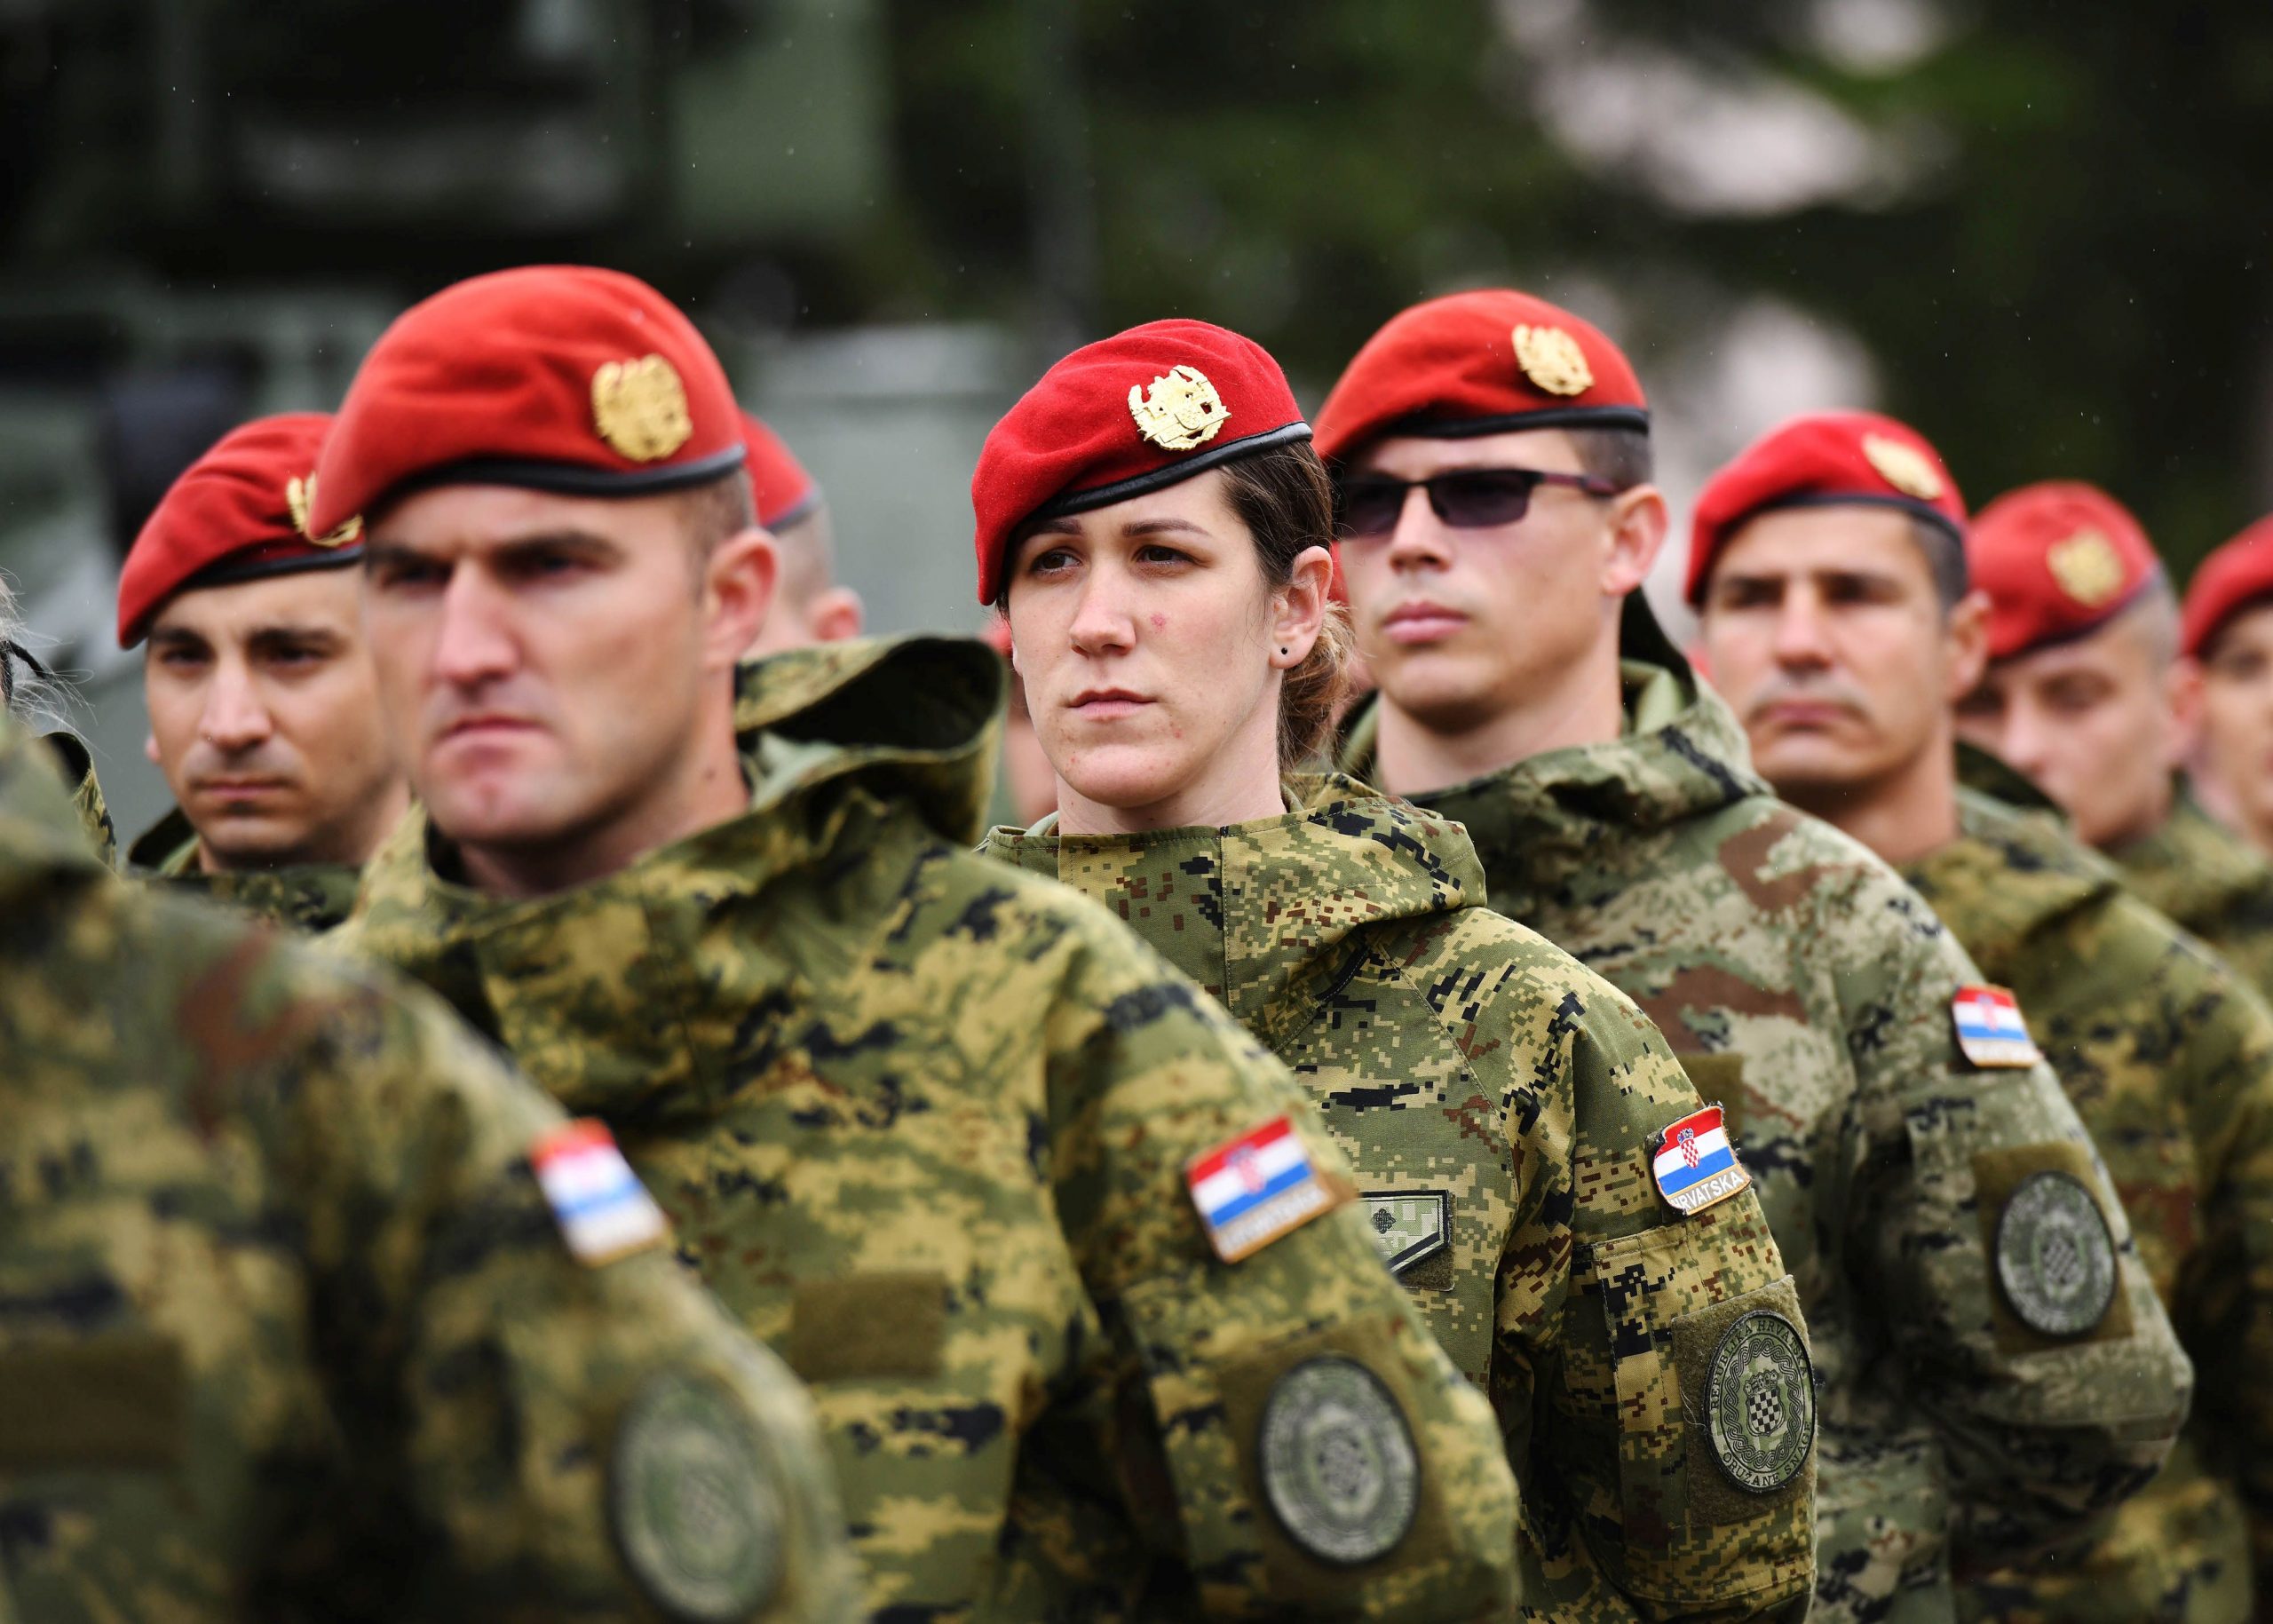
(2168, 1055)
(1806, 989)
(78, 769)
(310, 897)
(1502, 1104)
(286, 1330)
(922, 1122)
(2199, 872)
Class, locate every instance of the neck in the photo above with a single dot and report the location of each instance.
(1902, 817)
(2153, 813)
(1582, 706)
(1239, 785)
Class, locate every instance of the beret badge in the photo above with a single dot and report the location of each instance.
(639, 408)
(1552, 360)
(2087, 567)
(1904, 467)
(1180, 411)
(299, 497)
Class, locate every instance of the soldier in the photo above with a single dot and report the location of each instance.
(1154, 522)
(1830, 565)
(939, 1131)
(1497, 520)
(2084, 696)
(809, 605)
(2226, 639)
(262, 715)
(290, 1331)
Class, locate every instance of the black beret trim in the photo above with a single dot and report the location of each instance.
(1426, 426)
(1173, 474)
(570, 479)
(797, 512)
(236, 571)
(1932, 515)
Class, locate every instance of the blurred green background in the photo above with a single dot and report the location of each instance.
(2039, 232)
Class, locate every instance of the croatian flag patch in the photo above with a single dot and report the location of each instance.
(1696, 1166)
(604, 1211)
(1990, 1029)
(1254, 1189)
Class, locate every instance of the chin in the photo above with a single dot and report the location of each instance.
(1139, 779)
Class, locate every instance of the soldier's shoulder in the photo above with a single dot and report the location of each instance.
(1803, 876)
(1497, 961)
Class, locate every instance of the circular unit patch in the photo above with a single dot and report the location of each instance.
(1760, 1401)
(693, 1502)
(1337, 1461)
(2056, 1259)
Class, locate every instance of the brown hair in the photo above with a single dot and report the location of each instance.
(717, 510)
(1283, 498)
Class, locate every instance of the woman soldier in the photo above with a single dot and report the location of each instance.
(1153, 523)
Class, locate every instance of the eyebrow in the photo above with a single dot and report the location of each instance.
(381, 550)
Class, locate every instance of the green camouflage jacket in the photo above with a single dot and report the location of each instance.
(923, 1125)
(2168, 1055)
(2209, 879)
(1502, 1104)
(1809, 992)
(288, 1329)
(312, 896)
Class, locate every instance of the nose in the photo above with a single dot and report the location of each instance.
(475, 645)
(235, 718)
(1104, 621)
(1801, 639)
(1418, 541)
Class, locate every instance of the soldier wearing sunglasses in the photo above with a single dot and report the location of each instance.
(1493, 460)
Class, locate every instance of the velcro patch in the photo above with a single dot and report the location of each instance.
(604, 1211)
(1696, 1164)
(694, 1502)
(1256, 1188)
(1408, 1226)
(1990, 1030)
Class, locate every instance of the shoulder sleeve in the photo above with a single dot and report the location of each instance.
(2050, 1413)
(572, 1433)
(1288, 1428)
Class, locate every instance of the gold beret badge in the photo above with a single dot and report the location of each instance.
(300, 499)
(2087, 567)
(1180, 410)
(1904, 467)
(1552, 360)
(639, 407)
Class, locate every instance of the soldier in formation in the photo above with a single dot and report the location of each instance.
(1534, 1166)
(2226, 642)
(1492, 457)
(263, 716)
(810, 604)
(1830, 561)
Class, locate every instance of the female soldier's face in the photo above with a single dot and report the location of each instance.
(1149, 642)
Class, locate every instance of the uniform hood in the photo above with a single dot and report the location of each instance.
(42, 838)
(1681, 755)
(842, 745)
(1268, 916)
(2008, 875)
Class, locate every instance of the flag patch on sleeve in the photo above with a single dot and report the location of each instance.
(1256, 1188)
(604, 1211)
(1696, 1164)
(1990, 1030)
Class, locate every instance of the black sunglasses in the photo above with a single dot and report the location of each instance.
(1467, 498)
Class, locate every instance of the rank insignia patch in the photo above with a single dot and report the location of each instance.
(604, 1211)
(1256, 1188)
(2055, 1258)
(2087, 567)
(1337, 1461)
(1760, 1402)
(1552, 360)
(1180, 411)
(1695, 1165)
(1409, 1226)
(639, 408)
(693, 1502)
(1990, 1030)
(1904, 467)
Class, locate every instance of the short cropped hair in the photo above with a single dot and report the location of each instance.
(1944, 561)
(1620, 456)
(717, 510)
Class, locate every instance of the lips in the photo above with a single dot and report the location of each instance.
(1102, 704)
(1421, 622)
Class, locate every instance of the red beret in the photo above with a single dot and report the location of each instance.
(1128, 414)
(2057, 559)
(1826, 459)
(557, 377)
(2229, 580)
(237, 513)
(785, 492)
(1480, 363)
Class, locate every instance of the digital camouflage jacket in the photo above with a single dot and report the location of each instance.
(1809, 992)
(922, 1123)
(312, 896)
(2168, 1055)
(288, 1330)
(1502, 1104)
(2196, 871)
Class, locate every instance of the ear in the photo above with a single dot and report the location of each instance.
(150, 749)
(738, 582)
(2182, 693)
(1965, 634)
(1638, 522)
(835, 615)
(1298, 608)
